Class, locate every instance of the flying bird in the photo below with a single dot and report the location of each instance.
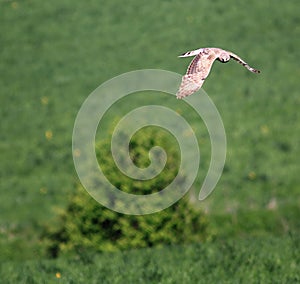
(200, 66)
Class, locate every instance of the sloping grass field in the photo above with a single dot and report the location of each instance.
(54, 54)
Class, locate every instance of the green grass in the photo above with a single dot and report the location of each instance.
(53, 54)
(270, 260)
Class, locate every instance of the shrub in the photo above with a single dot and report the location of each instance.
(85, 224)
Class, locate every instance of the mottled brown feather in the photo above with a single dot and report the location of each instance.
(200, 67)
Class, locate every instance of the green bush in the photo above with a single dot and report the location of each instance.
(86, 225)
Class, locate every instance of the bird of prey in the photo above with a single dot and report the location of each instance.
(200, 66)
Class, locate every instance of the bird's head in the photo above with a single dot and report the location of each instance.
(224, 57)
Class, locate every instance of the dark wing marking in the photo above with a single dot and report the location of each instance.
(241, 61)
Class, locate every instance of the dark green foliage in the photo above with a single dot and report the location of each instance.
(140, 145)
(87, 225)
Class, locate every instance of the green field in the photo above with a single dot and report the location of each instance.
(54, 54)
(222, 262)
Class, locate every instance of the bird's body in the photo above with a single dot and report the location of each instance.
(200, 67)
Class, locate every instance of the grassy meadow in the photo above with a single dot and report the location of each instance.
(54, 54)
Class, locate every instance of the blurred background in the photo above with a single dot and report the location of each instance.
(54, 54)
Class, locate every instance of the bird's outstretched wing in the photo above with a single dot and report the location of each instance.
(197, 71)
(241, 61)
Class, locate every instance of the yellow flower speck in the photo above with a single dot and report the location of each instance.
(43, 190)
(252, 175)
(14, 5)
(77, 153)
(48, 134)
(57, 275)
(44, 100)
(264, 129)
(187, 133)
